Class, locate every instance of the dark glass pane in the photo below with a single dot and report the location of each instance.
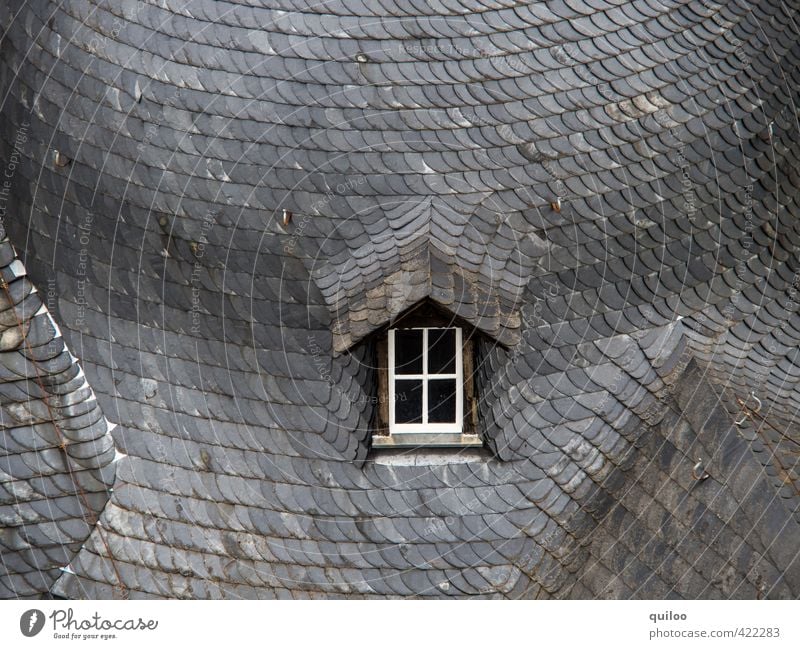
(442, 401)
(408, 401)
(442, 351)
(408, 351)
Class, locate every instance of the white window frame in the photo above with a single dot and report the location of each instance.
(425, 376)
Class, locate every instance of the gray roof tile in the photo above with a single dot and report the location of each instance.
(426, 172)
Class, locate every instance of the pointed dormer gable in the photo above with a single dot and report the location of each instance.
(369, 288)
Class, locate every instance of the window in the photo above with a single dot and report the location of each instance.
(426, 391)
(425, 385)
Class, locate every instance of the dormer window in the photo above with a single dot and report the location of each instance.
(426, 380)
(425, 383)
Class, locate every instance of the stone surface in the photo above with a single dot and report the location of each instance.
(609, 189)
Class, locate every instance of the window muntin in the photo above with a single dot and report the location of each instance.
(426, 385)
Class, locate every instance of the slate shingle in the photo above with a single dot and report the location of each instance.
(429, 170)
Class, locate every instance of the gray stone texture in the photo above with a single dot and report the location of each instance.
(608, 189)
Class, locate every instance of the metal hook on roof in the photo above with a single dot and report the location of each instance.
(699, 471)
(745, 409)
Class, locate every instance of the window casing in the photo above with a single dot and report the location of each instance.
(425, 386)
(430, 399)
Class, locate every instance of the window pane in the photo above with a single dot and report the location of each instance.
(408, 351)
(442, 401)
(408, 401)
(442, 351)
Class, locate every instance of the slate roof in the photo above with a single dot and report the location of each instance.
(56, 459)
(608, 188)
